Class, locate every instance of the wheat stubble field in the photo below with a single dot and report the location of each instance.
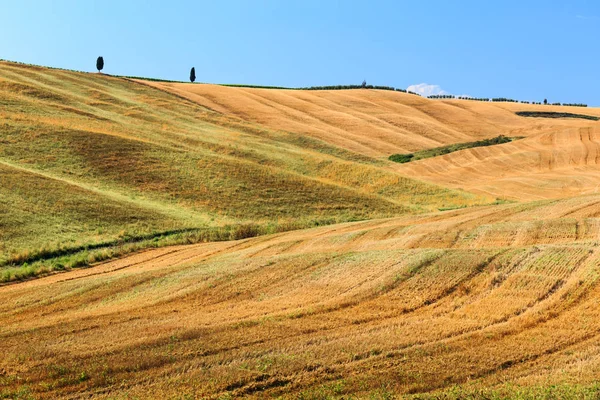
(473, 274)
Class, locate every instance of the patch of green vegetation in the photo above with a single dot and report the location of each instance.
(552, 114)
(495, 203)
(257, 86)
(440, 151)
(142, 78)
(402, 158)
(29, 265)
(450, 208)
(502, 201)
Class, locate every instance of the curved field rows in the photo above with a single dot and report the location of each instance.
(87, 158)
(420, 304)
(372, 122)
(558, 157)
(559, 163)
(349, 308)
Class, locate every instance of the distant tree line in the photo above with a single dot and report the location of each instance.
(332, 87)
(575, 104)
(502, 99)
(441, 96)
(473, 98)
(361, 86)
(344, 87)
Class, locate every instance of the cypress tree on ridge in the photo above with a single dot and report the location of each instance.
(100, 63)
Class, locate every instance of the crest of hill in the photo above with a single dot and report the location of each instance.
(376, 123)
(557, 158)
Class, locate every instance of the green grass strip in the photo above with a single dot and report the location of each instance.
(553, 114)
(440, 151)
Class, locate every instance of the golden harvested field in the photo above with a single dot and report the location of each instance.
(560, 162)
(558, 158)
(377, 123)
(500, 294)
(415, 280)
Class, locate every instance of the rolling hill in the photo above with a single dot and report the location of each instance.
(376, 123)
(88, 158)
(556, 159)
(503, 294)
(560, 162)
(366, 278)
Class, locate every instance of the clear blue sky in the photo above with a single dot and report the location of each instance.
(521, 49)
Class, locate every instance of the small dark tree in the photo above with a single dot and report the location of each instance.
(193, 75)
(545, 101)
(100, 63)
(364, 84)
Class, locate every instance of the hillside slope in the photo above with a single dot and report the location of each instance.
(561, 162)
(502, 294)
(393, 297)
(377, 123)
(98, 158)
(556, 159)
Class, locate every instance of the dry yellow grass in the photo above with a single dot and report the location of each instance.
(560, 162)
(557, 158)
(502, 293)
(89, 158)
(377, 123)
(491, 300)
